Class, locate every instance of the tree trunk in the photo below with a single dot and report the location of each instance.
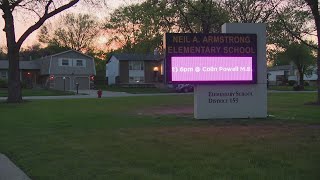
(318, 70)
(14, 84)
(301, 81)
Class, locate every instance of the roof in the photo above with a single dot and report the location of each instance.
(71, 51)
(4, 64)
(279, 68)
(137, 57)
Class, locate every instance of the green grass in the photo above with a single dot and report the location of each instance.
(135, 90)
(290, 88)
(120, 138)
(37, 92)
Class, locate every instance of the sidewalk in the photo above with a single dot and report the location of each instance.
(9, 171)
(91, 94)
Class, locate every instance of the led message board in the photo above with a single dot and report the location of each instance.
(211, 58)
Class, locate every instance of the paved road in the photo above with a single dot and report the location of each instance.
(108, 94)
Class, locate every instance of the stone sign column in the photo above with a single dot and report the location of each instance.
(236, 100)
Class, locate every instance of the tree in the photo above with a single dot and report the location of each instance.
(73, 31)
(3, 54)
(293, 23)
(205, 16)
(43, 10)
(140, 27)
(250, 11)
(314, 6)
(36, 51)
(301, 56)
(310, 10)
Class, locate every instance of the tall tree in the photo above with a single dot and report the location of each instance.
(251, 11)
(73, 31)
(302, 57)
(205, 16)
(293, 23)
(140, 27)
(314, 6)
(43, 10)
(138, 24)
(36, 51)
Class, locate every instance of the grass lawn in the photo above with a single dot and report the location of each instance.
(135, 90)
(37, 92)
(290, 88)
(127, 138)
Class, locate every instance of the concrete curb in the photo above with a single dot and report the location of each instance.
(9, 171)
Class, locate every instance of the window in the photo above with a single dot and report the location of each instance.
(136, 65)
(79, 63)
(65, 62)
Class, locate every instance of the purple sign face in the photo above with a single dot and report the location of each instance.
(210, 58)
(223, 69)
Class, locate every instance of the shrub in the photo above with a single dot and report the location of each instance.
(292, 82)
(298, 88)
(3, 83)
(23, 84)
(306, 83)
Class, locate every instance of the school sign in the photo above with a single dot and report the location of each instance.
(227, 69)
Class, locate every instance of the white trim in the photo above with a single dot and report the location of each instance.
(71, 51)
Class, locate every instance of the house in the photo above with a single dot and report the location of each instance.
(126, 68)
(29, 71)
(62, 71)
(279, 75)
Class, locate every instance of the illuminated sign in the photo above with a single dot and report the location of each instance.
(211, 58)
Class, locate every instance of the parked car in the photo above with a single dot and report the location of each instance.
(185, 88)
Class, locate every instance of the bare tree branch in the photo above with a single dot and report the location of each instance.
(46, 16)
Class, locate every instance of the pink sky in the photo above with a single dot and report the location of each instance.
(22, 23)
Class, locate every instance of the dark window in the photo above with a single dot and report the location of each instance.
(65, 62)
(79, 63)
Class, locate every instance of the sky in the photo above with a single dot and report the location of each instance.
(23, 22)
